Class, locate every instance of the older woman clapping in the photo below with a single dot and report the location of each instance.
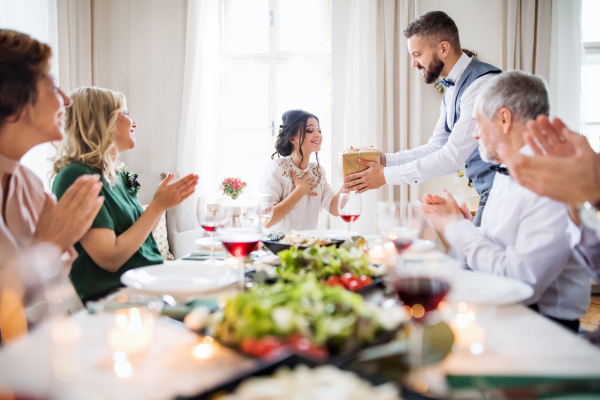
(31, 112)
(98, 129)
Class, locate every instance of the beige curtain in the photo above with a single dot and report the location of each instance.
(136, 47)
(527, 36)
(380, 91)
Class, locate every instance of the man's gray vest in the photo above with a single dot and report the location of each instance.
(477, 170)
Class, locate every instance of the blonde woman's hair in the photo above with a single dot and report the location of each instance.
(90, 124)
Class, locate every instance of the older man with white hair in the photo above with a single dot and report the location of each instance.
(522, 235)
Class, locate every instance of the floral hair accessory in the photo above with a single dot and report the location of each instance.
(233, 187)
(131, 181)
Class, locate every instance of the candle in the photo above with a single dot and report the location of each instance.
(133, 332)
(468, 334)
(390, 254)
(204, 349)
(377, 255)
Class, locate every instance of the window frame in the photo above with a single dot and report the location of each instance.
(273, 58)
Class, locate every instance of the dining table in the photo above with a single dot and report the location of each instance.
(70, 358)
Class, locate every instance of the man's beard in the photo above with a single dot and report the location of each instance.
(433, 71)
(488, 157)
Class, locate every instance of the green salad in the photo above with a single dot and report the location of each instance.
(326, 316)
(323, 262)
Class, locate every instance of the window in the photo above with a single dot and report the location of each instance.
(590, 71)
(275, 56)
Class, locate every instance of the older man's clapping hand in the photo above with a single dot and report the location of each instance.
(441, 211)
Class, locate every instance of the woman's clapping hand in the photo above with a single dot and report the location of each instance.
(64, 223)
(169, 194)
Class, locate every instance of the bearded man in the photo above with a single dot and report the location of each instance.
(434, 46)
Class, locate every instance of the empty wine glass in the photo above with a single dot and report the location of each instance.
(265, 209)
(349, 208)
(400, 223)
(240, 238)
(211, 216)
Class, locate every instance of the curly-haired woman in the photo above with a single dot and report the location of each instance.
(32, 110)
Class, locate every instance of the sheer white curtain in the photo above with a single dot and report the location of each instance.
(379, 88)
(544, 38)
(199, 117)
(566, 55)
(38, 19)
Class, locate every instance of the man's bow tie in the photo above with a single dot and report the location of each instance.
(499, 169)
(446, 83)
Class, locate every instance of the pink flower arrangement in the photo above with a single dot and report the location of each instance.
(233, 187)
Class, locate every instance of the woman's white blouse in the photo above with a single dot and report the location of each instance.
(277, 181)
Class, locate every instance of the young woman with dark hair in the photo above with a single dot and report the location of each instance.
(297, 187)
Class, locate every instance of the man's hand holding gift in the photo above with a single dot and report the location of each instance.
(439, 212)
(371, 178)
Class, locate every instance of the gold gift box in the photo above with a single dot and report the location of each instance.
(349, 160)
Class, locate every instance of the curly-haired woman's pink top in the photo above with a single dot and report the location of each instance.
(20, 207)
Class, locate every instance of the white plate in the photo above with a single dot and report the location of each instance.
(328, 234)
(480, 287)
(180, 279)
(421, 245)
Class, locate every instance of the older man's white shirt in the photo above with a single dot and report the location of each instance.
(524, 236)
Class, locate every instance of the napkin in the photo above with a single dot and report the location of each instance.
(349, 159)
(523, 386)
(204, 255)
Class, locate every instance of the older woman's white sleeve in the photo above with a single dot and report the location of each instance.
(328, 192)
(271, 182)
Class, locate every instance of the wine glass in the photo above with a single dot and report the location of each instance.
(421, 285)
(240, 239)
(349, 208)
(265, 209)
(211, 216)
(264, 213)
(400, 222)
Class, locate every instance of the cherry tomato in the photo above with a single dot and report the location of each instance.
(365, 280)
(347, 278)
(354, 285)
(248, 345)
(334, 281)
(266, 345)
(260, 347)
(302, 345)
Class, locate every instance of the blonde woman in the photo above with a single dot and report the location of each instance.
(98, 129)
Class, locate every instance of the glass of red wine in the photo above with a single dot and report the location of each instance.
(349, 208)
(420, 286)
(400, 223)
(211, 216)
(240, 233)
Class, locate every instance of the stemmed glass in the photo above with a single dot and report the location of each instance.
(240, 238)
(264, 213)
(211, 216)
(349, 208)
(401, 223)
(421, 286)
